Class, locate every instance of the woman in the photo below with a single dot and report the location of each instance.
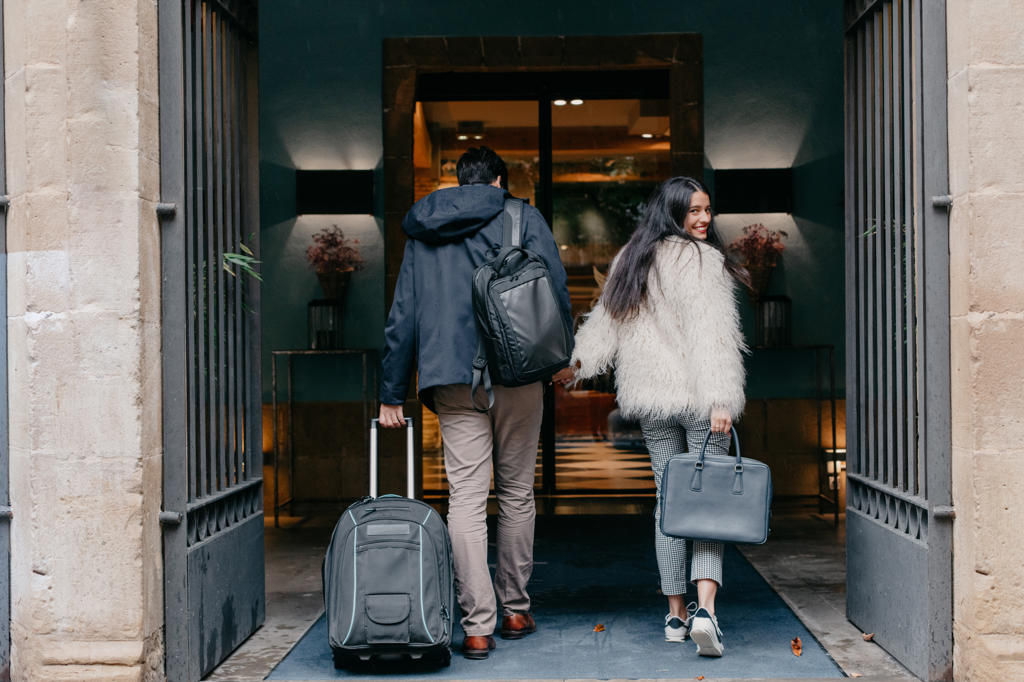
(668, 323)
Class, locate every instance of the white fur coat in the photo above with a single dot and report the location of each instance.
(683, 350)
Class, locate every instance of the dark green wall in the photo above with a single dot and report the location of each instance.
(773, 88)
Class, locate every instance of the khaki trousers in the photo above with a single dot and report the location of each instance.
(506, 435)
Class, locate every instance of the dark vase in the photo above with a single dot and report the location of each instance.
(773, 321)
(334, 284)
(323, 322)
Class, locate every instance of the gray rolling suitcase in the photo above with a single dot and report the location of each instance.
(388, 577)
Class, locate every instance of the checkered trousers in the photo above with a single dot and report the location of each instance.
(665, 438)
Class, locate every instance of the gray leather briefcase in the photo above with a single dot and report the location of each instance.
(716, 497)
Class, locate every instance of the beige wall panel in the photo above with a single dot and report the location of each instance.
(997, 27)
(999, 399)
(958, 42)
(961, 383)
(84, 358)
(998, 558)
(959, 134)
(985, 40)
(996, 100)
(996, 235)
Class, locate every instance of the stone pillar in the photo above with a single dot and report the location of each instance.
(986, 160)
(83, 177)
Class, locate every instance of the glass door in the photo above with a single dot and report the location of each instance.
(586, 148)
(607, 156)
(442, 131)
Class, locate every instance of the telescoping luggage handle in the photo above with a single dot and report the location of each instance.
(410, 487)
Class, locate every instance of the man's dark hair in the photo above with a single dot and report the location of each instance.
(481, 166)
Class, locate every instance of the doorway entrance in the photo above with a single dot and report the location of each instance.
(587, 145)
(410, 62)
(586, 148)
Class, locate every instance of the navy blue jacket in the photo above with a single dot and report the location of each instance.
(451, 233)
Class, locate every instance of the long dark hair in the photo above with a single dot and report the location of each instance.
(626, 288)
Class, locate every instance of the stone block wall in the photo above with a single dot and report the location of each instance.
(84, 279)
(986, 158)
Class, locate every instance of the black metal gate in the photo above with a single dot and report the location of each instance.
(899, 530)
(213, 493)
(5, 502)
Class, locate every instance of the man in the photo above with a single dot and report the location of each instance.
(452, 232)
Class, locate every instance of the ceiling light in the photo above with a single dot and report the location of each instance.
(576, 102)
(647, 136)
(559, 102)
(465, 130)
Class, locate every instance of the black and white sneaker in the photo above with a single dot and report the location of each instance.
(676, 628)
(705, 633)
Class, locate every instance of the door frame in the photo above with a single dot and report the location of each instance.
(502, 67)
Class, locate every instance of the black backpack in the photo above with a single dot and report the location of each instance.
(524, 337)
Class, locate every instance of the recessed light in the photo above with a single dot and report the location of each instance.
(576, 102)
(462, 137)
(559, 102)
(647, 136)
(478, 137)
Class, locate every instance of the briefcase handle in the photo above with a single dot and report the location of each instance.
(699, 464)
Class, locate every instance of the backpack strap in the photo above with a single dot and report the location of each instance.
(512, 227)
(481, 376)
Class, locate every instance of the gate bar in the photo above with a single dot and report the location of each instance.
(910, 344)
(200, 256)
(885, 238)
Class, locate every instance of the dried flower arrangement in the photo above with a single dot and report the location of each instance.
(331, 252)
(758, 250)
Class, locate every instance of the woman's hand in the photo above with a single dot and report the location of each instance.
(566, 375)
(391, 416)
(721, 420)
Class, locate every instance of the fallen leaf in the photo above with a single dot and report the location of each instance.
(797, 646)
(598, 628)
(867, 636)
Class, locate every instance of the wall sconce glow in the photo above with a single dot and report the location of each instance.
(478, 137)
(559, 102)
(647, 136)
(576, 102)
(334, 192)
(462, 138)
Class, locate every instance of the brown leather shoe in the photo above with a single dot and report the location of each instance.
(517, 626)
(477, 647)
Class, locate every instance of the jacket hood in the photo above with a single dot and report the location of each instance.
(453, 213)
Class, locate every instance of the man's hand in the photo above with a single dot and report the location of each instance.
(721, 420)
(391, 416)
(564, 376)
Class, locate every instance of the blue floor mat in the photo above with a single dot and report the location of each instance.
(603, 571)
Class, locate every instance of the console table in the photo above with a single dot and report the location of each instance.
(366, 355)
(829, 492)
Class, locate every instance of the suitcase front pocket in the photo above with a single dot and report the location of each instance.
(387, 618)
